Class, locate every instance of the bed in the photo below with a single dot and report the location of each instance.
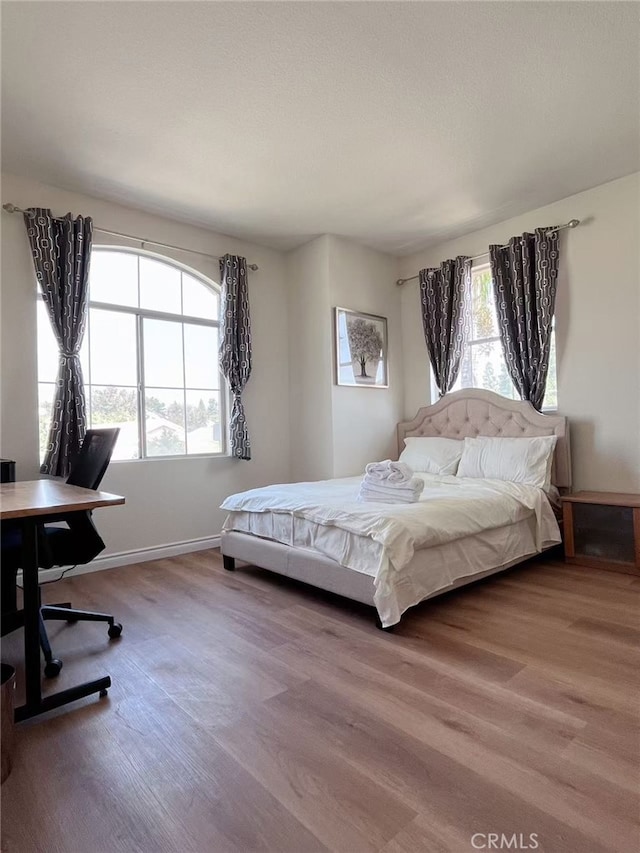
(391, 559)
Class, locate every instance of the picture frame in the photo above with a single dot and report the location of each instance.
(358, 337)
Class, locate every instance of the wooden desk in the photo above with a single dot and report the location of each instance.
(36, 502)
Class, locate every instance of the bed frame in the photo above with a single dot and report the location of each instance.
(461, 414)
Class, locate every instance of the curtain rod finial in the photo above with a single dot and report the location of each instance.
(573, 223)
(10, 208)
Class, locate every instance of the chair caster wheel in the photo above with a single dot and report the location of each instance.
(52, 668)
(103, 693)
(115, 630)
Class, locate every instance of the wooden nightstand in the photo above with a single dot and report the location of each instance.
(602, 529)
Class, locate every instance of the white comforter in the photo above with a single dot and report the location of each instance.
(450, 508)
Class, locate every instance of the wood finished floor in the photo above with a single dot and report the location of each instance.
(249, 713)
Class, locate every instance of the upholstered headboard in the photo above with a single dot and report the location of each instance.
(472, 412)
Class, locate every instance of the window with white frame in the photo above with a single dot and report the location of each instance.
(149, 357)
(483, 364)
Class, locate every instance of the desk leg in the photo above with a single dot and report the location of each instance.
(31, 615)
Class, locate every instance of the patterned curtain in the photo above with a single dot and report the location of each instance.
(525, 274)
(235, 346)
(61, 250)
(442, 294)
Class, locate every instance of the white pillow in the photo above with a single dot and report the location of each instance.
(519, 460)
(432, 455)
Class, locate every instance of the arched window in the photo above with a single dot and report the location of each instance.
(149, 357)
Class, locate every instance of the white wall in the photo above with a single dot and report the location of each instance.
(336, 430)
(310, 361)
(167, 500)
(597, 326)
(365, 419)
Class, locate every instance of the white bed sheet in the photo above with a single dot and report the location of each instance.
(382, 540)
(430, 570)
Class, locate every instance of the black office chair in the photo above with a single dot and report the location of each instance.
(72, 545)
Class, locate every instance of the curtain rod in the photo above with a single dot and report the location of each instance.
(11, 208)
(572, 223)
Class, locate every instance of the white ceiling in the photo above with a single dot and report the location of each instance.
(396, 124)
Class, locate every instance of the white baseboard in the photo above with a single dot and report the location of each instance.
(139, 555)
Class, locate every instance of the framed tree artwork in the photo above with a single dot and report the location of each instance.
(361, 349)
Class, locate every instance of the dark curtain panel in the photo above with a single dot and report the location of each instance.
(525, 274)
(235, 346)
(61, 250)
(442, 295)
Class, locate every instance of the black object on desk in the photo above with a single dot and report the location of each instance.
(7, 471)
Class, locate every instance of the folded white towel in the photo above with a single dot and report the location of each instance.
(391, 485)
(396, 488)
(391, 493)
(399, 472)
(378, 470)
(397, 477)
(413, 486)
(395, 474)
